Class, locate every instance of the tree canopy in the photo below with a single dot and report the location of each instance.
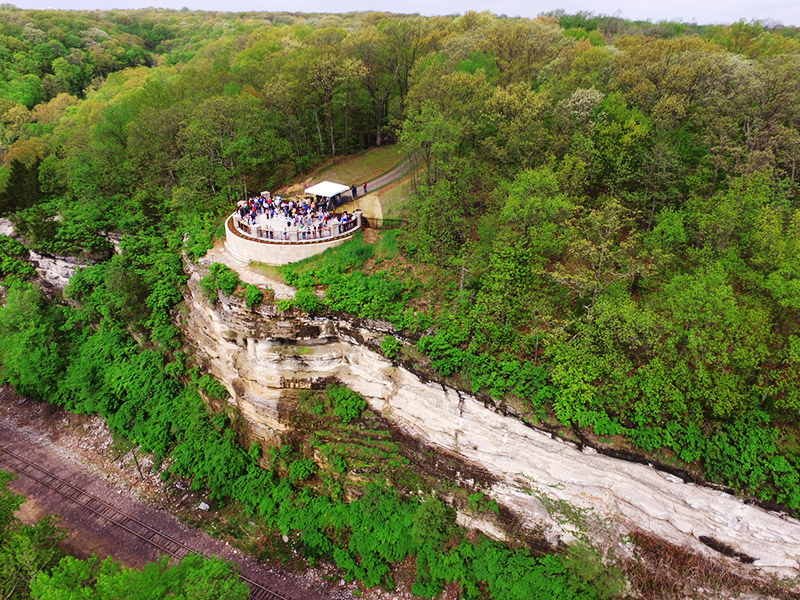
(604, 228)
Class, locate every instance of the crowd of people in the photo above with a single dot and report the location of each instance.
(311, 218)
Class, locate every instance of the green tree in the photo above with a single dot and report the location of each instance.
(193, 577)
(34, 347)
(25, 550)
(603, 250)
(382, 70)
(225, 141)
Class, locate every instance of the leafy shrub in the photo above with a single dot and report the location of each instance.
(375, 296)
(390, 346)
(313, 402)
(445, 358)
(212, 387)
(479, 503)
(587, 562)
(301, 469)
(347, 404)
(308, 302)
(221, 277)
(226, 278)
(11, 262)
(252, 297)
(208, 285)
(193, 577)
(432, 520)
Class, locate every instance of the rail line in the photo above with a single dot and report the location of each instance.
(133, 525)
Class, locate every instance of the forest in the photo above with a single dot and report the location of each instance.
(604, 232)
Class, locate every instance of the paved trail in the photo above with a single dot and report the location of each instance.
(398, 172)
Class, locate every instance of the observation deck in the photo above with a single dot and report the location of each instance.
(276, 242)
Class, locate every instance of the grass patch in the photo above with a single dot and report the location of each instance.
(386, 247)
(340, 259)
(355, 170)
(380, 294)
(271, 271)
(394, 197)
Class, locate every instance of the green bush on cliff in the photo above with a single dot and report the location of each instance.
(209, 287)
(103, 371)
(347, 405)
(301, 469)
(227, 279)
(308, 302)
(220, 277)
(12, 263)
(390, 346)
(212, 387)
(252, 297)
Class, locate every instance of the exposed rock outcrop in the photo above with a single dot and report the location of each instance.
(258, 355)
(55, 271)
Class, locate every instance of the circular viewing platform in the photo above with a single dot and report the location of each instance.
(277, 242)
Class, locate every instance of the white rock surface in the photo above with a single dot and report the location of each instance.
(55, 270)
(255, 355)
(6, 228)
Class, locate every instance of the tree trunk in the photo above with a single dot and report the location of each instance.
(346, 111)
(333, 139)
(319, 132)
(381, 105)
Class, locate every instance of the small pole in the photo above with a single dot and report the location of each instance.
(136, 460)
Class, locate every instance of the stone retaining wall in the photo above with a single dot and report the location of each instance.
(277, 252)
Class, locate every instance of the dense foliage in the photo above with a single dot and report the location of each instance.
(25, 550)
(605, 231)
(33, 566)
(132, 388)
(92, 579)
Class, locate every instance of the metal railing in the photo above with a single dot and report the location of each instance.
(308, 235)
(375, 223)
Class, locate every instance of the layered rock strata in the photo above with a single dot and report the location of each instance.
(259, 355)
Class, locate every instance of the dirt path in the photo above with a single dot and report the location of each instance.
(247, 272)
(77, 449)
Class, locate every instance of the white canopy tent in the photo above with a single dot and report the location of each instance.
(327, 189)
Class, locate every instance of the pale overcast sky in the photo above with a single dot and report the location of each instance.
(786, 12)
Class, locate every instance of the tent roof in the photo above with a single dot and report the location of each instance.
(327, 189)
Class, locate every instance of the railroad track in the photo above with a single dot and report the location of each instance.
(133, 525)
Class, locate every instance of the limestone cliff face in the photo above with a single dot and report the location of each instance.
(259, 355)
